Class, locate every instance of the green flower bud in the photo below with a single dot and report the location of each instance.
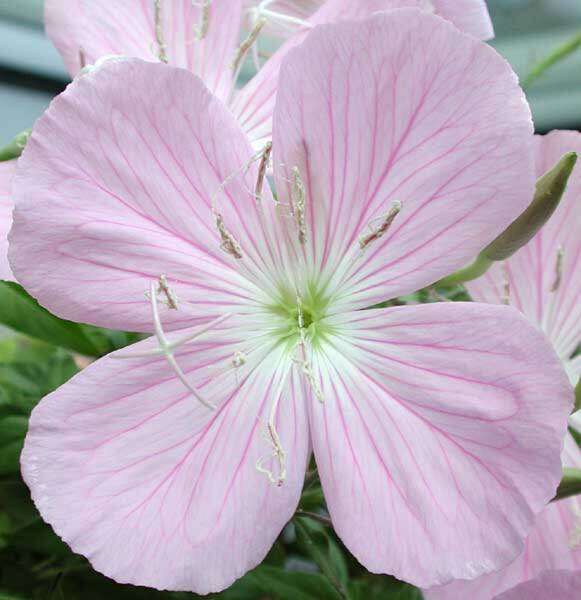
(16, 146)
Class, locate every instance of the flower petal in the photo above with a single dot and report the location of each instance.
(439, 438)
(150, 485)
(254, 104)
(557, 585)
(7, 169)
(96, 29)
(555, 543)
(120, 183)
(544, 287)
(401, 108)
(471, 16)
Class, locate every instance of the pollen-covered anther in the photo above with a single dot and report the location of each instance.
(159, 37)
(309, 374)
(171, 298)
(272, 437)
(202, 29)
(377, 231)
(247, 44)
(228, 242)
(558, 269)
(82, 58)
(298, 204)
(262, 168)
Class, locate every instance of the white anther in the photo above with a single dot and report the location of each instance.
(228, 242)
(171, 298)
(202, 29)
(159, 38)
(558, 269)
(308, 372)
(262, 169)
(272, 437)
(239, 359)
(376, 232)
(298, 204)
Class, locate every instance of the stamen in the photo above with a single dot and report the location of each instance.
(246, 45)
(161, 46)
(278, 452)
(298, 197)
(82, 58)
(377, 232)
(229, 243)
(558, 269)
(171, 297)
(506, 284)
(262, 168)
(307, 370)
(202, 30)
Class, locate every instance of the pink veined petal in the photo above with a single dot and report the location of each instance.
(7, 169)
(119, 184)
(553, 585)
(254, 104)
(555, 543)
(546, 292)
(154, 488)
(436, 445)
(402, 108)
(100, 28)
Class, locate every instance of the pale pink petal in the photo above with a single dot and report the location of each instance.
(7, 169)
(99, 28)
(401, 108)
(436, 444)
(555, 543)
(551, 585)
(470, 16)
(154, 488)
(116, 187)
(532, 279)
(254, 105)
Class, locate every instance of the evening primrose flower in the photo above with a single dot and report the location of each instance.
(401, 147)
(7, 169)
(543, 281)
(210, 39)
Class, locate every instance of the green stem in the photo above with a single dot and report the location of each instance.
(315, 516)
(472, 271)
(552, 59)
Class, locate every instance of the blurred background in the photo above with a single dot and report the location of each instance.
(31, 72)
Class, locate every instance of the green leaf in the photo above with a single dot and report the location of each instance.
(278, 584)
(555, 57)
(15, 147)
(383, 587)
(12, 432)
(315, 541)
(549, 191)
(570, 484)
(22, 313)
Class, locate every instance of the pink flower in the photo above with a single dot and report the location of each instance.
(401, 147)
(7, 169)
(543, 281)
(204, 37)
(553, 585)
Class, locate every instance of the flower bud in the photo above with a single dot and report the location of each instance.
(16, 146)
